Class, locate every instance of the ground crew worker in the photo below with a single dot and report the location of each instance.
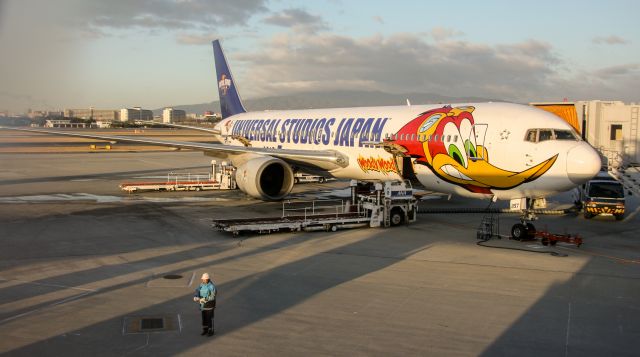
(206, 296)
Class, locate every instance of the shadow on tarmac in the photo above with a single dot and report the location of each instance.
(249, 299)
(592, 314)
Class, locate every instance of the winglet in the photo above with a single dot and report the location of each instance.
(230, 103)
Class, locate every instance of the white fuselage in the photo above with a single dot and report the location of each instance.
(500, 128)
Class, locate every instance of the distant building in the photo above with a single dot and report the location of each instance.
(34, 114)
(135, 114)
(102, 124)
(208, 115)
(194, 116)
(63, 123)
(94, 114)
(170, 115)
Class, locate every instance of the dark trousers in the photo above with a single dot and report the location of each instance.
(207, 319)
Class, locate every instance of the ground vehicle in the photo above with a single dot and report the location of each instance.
(388, 205)
(602, 195)
(300, 177)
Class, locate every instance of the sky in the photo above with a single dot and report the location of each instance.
(157, 53)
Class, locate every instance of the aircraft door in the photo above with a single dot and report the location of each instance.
(404, 165)
(475, 141)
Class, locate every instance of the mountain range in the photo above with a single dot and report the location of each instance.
(334, 99)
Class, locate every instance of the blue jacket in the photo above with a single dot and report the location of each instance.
(206, 293)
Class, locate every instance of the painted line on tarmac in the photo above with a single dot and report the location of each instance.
(48, 284)
(71, 298)
(617, 259)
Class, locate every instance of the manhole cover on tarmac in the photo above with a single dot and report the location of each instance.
(151, 324)
(170, 280)
(172, 276)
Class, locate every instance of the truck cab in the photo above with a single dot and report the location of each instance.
(603, 195)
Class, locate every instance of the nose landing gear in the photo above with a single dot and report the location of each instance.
(525, 230)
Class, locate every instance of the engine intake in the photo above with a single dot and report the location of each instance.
(266, 178)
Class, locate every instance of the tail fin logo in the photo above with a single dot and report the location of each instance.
(224, 84)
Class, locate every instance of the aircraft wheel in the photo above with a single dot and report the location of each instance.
(296, 180)
(531, 231)
(518, 231)
(334, 228)
(587, 215)
(321, 180)
(619, 217)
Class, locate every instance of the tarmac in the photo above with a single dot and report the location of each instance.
(85, 268)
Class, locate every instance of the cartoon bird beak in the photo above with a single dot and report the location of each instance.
(482, 174)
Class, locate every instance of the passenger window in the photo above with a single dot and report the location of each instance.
(429, 138)
(435, 137)
(455, 138)
(545, 134)
(448, 138)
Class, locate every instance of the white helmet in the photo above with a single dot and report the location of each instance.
(205, 276)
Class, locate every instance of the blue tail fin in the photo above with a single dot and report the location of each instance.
(230, 103)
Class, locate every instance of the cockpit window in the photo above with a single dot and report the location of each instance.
(538, 135)
(545, 134)
(532, 135)
(564, 135)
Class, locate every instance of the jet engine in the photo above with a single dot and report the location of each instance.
(266, 178)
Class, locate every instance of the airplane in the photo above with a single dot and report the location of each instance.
(497, 151)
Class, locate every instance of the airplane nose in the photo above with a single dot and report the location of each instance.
(583, 163)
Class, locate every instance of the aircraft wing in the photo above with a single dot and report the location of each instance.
(172, 125)
(323, 159)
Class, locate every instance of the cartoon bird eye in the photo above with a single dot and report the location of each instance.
(455, 148)
(470, 148)
(429, 123)
(455, 154)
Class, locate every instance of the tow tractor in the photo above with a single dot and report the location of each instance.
(547, 238)
(390, 204)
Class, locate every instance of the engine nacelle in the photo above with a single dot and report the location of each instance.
(266, 178)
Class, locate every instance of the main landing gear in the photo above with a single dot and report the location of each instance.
(525, 230)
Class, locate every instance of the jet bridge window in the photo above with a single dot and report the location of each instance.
(616, 132)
